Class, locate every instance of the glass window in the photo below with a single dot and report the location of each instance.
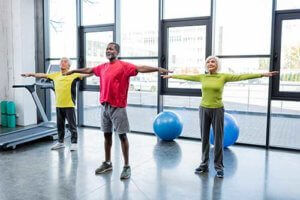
(239, 31)
(289, 56)
(186, 53)
(287, 4)
(188, 109)
(98, 12)
(142, 98)
(144, 82)
(139, 36)
(95, 48)
(247, 100)
(53, 106)
(285, 120)
(187, 8)
(62, 28)
(91, 109)
(248, 95)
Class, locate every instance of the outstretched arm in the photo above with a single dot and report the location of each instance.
(240, 77)
(81, 70)
(82, 76)
(197, 78)
(36, 75)
(147, 69)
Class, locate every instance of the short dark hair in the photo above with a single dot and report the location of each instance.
(117, 46)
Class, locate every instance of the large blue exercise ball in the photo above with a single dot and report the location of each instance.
(231, 131)
(167, 125)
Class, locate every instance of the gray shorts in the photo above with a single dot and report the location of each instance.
(112, 117)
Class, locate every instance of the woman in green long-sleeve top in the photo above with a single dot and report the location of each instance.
(211, 110)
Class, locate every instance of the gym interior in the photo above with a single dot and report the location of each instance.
(248, 36)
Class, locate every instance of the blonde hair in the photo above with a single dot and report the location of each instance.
(67, 59)
(218, 63)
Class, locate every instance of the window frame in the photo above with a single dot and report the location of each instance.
(279, 17)
(201, 21)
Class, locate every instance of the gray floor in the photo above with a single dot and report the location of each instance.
(160, 170)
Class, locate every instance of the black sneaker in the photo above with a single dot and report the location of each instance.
(220, 174)
(200, 170)
(126, 173)
(105, 167)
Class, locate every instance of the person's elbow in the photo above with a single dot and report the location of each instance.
(139, 69)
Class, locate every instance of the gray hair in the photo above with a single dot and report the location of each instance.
(217, 62)
(67, 59)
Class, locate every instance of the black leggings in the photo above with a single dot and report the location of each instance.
(61, 115)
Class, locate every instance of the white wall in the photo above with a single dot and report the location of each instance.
(17, 55)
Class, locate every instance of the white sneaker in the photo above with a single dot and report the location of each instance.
(73, 147)
(58, 146)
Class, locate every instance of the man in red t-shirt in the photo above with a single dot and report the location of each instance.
(114, 83)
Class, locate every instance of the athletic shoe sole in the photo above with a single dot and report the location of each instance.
(106, 170)
(201, 172)
(126, 177)
(56, 148)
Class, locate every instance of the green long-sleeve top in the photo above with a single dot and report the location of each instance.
(213, 84)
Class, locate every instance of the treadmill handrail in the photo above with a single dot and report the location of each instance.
(32, 89)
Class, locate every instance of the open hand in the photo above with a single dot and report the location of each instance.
(269, 74)
(166, 76)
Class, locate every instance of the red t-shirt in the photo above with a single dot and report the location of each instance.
(114, 82)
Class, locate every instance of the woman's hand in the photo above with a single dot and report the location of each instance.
(269, 74)
(166, 76)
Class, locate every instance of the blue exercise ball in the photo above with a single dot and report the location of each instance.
(167, 125)
(231, 131)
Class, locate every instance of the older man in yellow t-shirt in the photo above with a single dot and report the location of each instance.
(65, 95)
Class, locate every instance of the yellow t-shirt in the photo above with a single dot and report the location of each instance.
(65, 89)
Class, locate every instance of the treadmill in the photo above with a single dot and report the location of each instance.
(44, 129)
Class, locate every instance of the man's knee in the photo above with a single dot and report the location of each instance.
(108, 137)
(123, 137)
